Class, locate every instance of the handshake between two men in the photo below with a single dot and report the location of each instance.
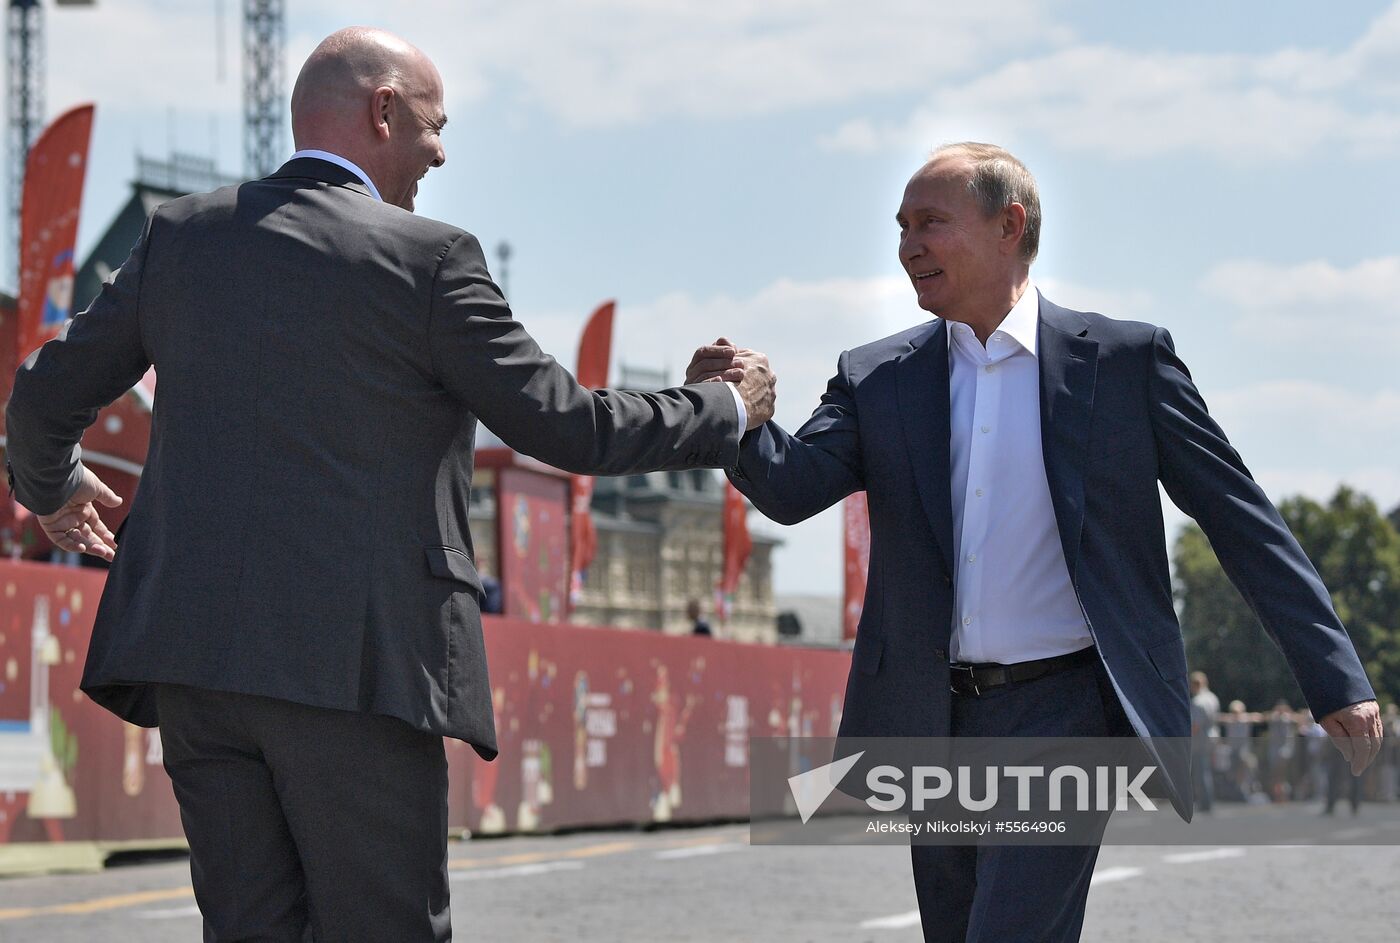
(748, 370)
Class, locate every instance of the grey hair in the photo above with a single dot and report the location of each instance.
(998, 180)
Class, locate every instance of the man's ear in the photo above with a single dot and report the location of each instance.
(1013, 223)
(381, 108)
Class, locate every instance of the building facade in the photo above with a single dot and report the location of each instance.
(660, 546)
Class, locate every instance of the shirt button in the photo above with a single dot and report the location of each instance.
(979, 492)
(972, 558)
(967, 620)
(986, 429)
(991, 368)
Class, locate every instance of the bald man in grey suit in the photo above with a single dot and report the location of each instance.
(295, 601)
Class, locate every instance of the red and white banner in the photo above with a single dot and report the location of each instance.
(596, 726)
(594, 356)
(737, 547)
(53, 195)
(856, 537)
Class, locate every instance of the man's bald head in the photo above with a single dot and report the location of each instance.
(375, 99)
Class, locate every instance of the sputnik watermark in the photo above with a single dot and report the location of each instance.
(1102, 789)
(1111, 790)
(1121, 790)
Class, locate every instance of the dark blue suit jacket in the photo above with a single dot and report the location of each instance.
(1118, 414)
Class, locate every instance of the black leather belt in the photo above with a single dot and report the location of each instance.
(972, 680)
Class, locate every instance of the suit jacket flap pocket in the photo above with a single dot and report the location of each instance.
(449, 563)
(1169, 659)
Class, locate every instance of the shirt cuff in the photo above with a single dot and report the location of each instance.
(739, 404)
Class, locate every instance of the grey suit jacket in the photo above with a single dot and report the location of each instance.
(300, 529)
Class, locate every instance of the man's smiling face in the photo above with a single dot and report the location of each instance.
(951, 249)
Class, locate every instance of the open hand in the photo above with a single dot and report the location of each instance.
(77, 525)
(1357, 732)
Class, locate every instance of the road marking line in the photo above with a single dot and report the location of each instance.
(532, 857)
(97, 904)
(897, 922)
(1214, 854)
(519, 871)
(697, 851)
(1108, 875)
(1347, 834)
(119, 901)
(169, 914)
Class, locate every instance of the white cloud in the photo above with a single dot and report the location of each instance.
(1306, 437)
(1316, 301)
(802, 326)
(1128, 104)
(1315, 419)
(615, 62)
(1131, 305)
(153, 55)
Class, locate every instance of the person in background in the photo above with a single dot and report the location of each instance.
(1279, 751)
(1205, 711)
(699, 625)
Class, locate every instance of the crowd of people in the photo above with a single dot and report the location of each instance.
(1281, 755)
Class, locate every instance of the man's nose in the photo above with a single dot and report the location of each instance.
(909, 249)
(441, 157)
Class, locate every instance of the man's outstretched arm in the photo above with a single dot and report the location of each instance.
(789, 478)
(1205, 477)
(488, 361)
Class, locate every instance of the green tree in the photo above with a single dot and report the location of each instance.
(1356, 550)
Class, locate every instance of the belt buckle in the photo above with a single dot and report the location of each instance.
(971, 678)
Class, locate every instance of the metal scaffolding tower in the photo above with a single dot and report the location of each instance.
(24, 110)
(264, 40)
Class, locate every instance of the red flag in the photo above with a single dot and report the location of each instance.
(737, 547)
(594, 354)
(53, 194)
(856, 536)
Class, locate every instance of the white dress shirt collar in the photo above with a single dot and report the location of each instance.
(342, 162)
(1023, 320)
(1019, 326)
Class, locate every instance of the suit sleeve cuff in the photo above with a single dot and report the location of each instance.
(739, 404)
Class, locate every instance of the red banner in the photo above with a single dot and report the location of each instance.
(856, 537)
(737, 547)
(594, 356)
(596, 726)
(605, 726)
(53, 195)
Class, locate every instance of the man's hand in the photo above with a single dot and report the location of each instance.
(747, 369)
(77, 525)
(1357, 732)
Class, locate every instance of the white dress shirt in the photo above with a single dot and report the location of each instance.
(374, 192)
(1013, 598)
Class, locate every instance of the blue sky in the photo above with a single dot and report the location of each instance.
(734, 167)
